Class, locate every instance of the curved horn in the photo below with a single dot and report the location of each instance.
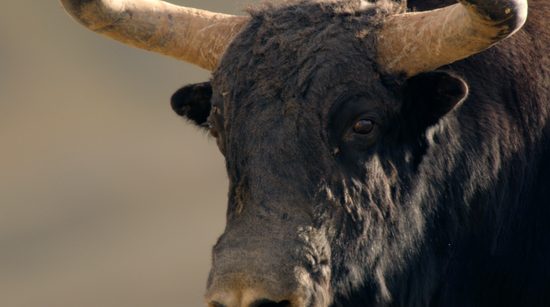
(194, 36)
(413, 43)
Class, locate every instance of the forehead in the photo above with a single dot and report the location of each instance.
(311, 52)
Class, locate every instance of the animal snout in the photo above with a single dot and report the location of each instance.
(246, 290)
(246, 281)
(263, 302)
(287, 270)
(269, 303)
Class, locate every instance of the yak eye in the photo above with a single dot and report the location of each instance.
(363, 126)
(213, 131)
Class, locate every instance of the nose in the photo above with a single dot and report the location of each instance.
(259, 303)
(246, 289)
(249, 301)
(269, 267)
(244, 278)
(268, 303)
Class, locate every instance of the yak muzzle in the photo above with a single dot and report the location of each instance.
(269, 272)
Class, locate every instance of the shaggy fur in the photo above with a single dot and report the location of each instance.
(444, 203)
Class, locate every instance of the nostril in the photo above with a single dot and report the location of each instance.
(269, 303)
(215, 304)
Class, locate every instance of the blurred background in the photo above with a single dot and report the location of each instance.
(107, 197)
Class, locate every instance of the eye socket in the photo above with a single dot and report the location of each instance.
(363, 126)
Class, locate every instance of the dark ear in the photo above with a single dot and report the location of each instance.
(193, 102)
(433, 94)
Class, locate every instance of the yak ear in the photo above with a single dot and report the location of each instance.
(193, 102)
(434, 94)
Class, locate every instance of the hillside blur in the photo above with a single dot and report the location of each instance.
(107, 197)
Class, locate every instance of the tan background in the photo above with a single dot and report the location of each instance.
(107, 198)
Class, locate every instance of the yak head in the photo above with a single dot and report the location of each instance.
(321, 147)
(322, 110)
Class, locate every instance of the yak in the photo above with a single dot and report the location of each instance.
(379, 153)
